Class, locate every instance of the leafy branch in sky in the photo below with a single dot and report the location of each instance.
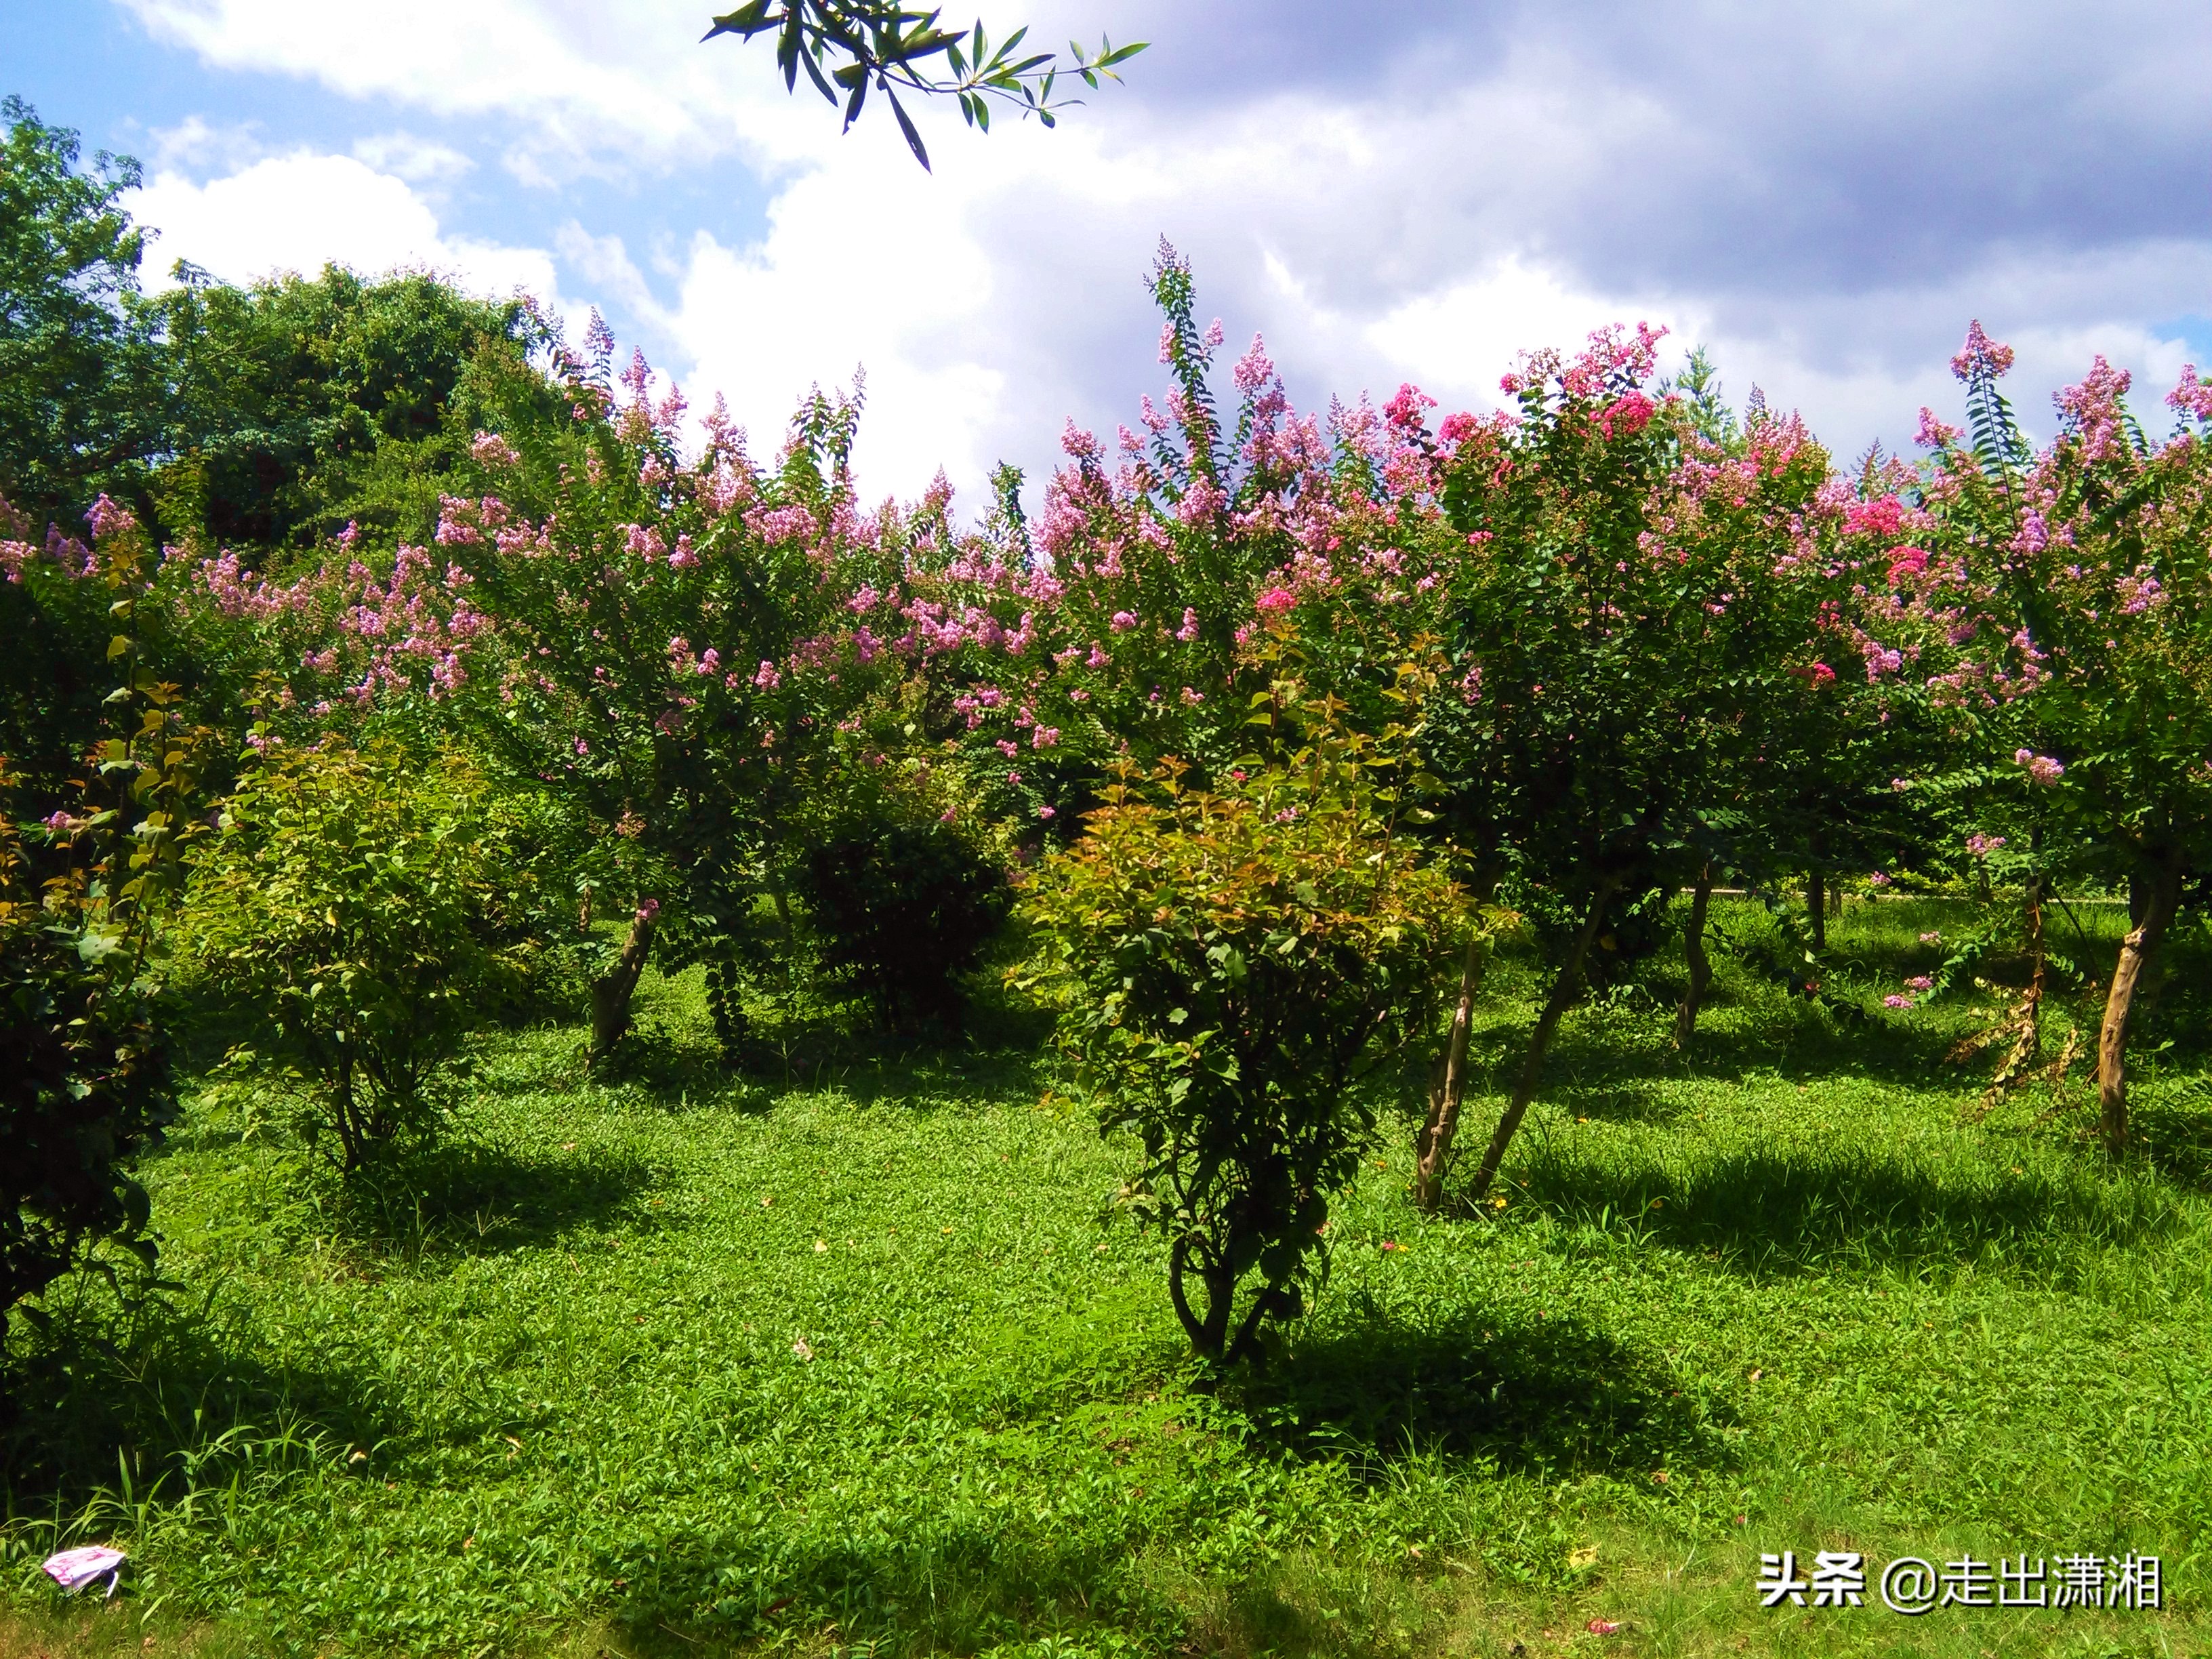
(858, 44)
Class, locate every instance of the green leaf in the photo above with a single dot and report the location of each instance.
(745, 22)
(912, 138)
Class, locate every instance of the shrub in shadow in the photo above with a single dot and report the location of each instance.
(905, 903)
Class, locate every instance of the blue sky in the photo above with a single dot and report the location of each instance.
(1823, 195)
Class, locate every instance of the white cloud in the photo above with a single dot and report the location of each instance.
(299, 212)
(1827, 217)
(607, 268)
(418, 160)
(198, 143)
(581, 78)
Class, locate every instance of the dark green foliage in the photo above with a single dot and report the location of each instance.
(887, 45)
(905, 903)
(80, 413)
(303, 402)
(84, 1068)
(84, 1086)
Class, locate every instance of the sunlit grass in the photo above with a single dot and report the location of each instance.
(839, 1353)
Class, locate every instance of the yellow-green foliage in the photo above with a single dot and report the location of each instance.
(1230, 961)
(360, 901)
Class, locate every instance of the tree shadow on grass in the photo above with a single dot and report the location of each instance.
(1625, 1100)
(2175, 1136)
(171, 1399)
(680, 1068)
(934, 1588)
(993, 1057)
(469, 1196)
(1766, 1211)
(1554, 1397)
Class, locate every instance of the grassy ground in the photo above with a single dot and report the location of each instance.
(844, 1358)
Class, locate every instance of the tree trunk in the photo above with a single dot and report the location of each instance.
(352, 1144)
(1693, 951)
(1816, 906)
(1432, 1152)
(2034, 1002)
(1208, 1333)
(2154, 896)
(611, 992)
(1561, 997)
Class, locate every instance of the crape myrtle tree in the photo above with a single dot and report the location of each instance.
(620, 625)
(2063, 617)
(1577, 769)
(1807, 753)
(1121, 619)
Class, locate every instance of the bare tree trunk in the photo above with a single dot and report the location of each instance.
(1561, 998)
(2154, 896)
(611, 991)
(1694, 950)
(1432, 1152)
(1816, 906)
(2033, 1046)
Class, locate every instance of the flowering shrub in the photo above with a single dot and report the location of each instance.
(640, 635)
(2062, 621)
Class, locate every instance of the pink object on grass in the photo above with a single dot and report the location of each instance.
(74, 1569)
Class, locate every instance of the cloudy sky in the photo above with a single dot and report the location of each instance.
(1403, 190)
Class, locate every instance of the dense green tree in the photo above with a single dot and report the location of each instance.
(77, 347)
(301, 403)
(78, 359)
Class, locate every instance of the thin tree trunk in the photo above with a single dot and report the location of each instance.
(2153, 896)
(351, 1144)
(1432, 1152)
(2034, 1012)
(1816, 906)
(1693, 951)
(1561, 997)
(1179, 1255)
(611, 991)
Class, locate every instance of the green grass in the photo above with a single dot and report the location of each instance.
(844, 1357)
